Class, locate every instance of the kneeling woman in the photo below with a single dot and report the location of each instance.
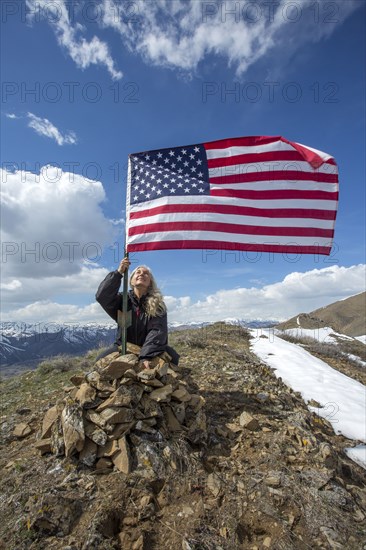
(149, 327)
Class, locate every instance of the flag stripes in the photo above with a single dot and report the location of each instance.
(256, 194)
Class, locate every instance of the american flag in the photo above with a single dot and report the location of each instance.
(252, 193)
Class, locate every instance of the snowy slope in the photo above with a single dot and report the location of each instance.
(342, 400)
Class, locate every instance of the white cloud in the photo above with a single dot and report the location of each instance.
(44, 127)
(296, 293)
(45, 311)
(12, 116)
(53, 234)
(32, 289)
(11, 285)
(180, 35)
(83, 52)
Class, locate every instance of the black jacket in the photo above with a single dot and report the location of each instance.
(149, 333)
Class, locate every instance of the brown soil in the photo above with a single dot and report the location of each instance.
(285, 484)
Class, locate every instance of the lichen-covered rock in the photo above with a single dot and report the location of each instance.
(73, 428)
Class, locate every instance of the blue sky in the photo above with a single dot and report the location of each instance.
(84, 84)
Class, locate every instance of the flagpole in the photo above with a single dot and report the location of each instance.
(124, 317)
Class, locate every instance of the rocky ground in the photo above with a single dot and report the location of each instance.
(266, 473)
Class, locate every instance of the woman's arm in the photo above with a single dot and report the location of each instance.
(108, 296)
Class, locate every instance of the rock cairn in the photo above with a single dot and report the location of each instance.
(121, 415)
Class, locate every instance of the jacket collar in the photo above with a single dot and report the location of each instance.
(135, 299)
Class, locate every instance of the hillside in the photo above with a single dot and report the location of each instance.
(345, 316)
(267, 472)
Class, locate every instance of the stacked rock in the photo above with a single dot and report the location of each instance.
(111, 408)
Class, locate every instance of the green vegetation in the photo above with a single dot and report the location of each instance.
(42, 385)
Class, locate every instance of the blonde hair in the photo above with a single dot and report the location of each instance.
(154, 304)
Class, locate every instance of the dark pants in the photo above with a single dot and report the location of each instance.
(173, 354)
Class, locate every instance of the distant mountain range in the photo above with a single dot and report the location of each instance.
(28, 344)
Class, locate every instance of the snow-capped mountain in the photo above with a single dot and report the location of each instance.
(26, 343)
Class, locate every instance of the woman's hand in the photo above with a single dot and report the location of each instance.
(124, 265)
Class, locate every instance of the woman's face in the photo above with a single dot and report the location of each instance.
(141, 279)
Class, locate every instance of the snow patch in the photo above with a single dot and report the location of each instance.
(342, 399)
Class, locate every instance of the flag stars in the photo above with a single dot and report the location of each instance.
(168, 172)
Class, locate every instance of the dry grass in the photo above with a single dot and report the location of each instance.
(338, 351)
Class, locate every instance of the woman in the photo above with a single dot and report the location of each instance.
(149, 327)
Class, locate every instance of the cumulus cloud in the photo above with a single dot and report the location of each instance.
(53, 234)
(181, 34)
(296, 293)
(31, 289)
(46, 311)
(44, 127)
(83, 52)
